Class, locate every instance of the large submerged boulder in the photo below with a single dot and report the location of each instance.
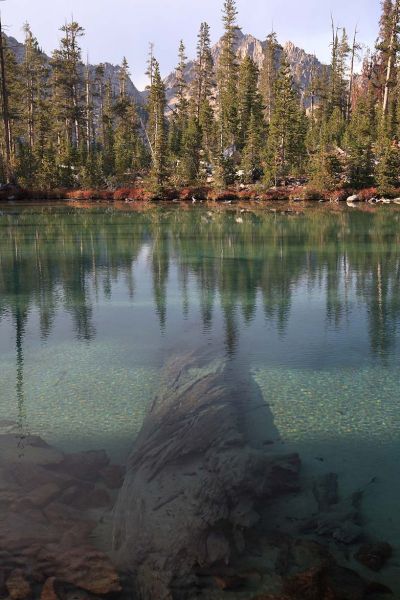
(202, 466)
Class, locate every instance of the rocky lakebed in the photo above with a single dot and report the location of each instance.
(208, 507)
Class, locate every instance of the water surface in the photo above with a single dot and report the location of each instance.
(92, 304)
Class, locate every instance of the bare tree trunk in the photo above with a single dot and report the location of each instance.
(88, 116)
(391, 58)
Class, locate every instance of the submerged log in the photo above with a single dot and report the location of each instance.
(201, 468)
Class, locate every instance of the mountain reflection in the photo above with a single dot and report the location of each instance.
(62, 260)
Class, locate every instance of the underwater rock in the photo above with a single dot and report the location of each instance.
(330, 582)
(42, 495)
(65, 517)
(28, 477)
(113, 476)
(304, 554)
(226, 583)
(338, 520)
(46, 518)
(325, 490)
(85, 496)
(49, 590)
(18, 586)
(28, 450)
(86, 568)
(374, 556)
(19, 533)
(86, 466)
(338, 525)
(195, 476)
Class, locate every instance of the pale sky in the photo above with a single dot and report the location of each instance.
(115, 28)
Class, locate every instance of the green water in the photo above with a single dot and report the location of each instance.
(93, 303)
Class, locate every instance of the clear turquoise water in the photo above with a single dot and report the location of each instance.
(92, 303)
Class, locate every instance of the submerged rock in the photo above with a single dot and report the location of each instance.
(330, 582)
(18, 586)
(325, 490)
(88, 569)
(195, 477)
(374, 556)
(49, 590)
(30, 450)
(86, 466)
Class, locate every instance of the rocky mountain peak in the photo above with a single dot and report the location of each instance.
(302, 64)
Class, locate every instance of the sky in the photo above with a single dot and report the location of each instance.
(117, 28)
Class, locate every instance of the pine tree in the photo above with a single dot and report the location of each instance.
(68, 102)
(68, 85)
(14, 132)
(227, 78)
(338, 93)
(6, 166)
(35, 75)
(107, 133)
(204, 70)
(388, 167)
(249, 99)
(157, 129)
(126, 138)
(285, 152)
(179, 120)
(359, 141)
(269, 73)
(252, 151)
(189, 166)
(202, 93)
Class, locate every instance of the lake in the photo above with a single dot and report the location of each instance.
(94, 302)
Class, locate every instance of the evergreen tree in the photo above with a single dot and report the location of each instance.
(338, 93)
(359, 141)
(179, 120)
(249, 99)
(269, 73)
(204, 70)
(107, 133)
(191, 141)
(68, 87)
(388, 167)
(203, 85)
(227, 77)
(252, 151)
(157, 133)
(126, 137)
(35, 75)
(285, 153)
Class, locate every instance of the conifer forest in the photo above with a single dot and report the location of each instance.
(65, 125)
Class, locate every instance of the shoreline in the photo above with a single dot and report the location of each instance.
(245, 196)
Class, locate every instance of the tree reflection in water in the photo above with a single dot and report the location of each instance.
(51, 259)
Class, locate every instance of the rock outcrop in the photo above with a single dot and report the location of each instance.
(199, 471)
(303, 66)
